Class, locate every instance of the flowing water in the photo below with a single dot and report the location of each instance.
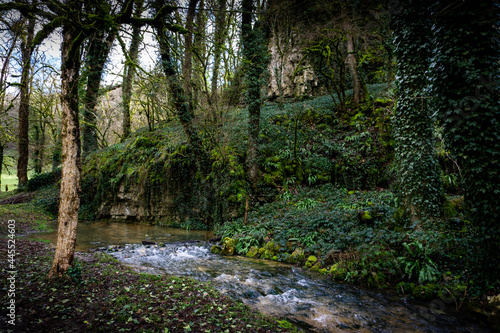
(307, 299)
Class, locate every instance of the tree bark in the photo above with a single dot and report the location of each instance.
(187, 67)
(219, 41)
(353, 66)
(71, 163)
(129, 72)
(23, 126)
(100, 47)
(182, 101)
(254, 58)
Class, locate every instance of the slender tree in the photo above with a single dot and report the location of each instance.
(23, 121)
(6, 126)
(219, 43)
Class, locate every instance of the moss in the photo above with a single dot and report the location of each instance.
(216, 249)
(228, 246)
(316, 267)
(252, 252)
(311, 261)
(271, 250)
(338, 272)
(296, 256)
(425, 292)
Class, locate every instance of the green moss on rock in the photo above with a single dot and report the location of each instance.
(338, 272)
(296, 256)
(316, 267)
(311, 261)
(228, 246)
(216, 249)
(252, 252)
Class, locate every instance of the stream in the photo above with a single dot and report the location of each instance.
(307, 299)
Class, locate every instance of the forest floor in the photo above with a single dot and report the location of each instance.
(100, 295)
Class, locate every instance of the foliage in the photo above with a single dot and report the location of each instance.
(464, 81)
(417, 168)
(43, 180)
(417, 262)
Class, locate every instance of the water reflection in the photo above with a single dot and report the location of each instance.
(91, 235)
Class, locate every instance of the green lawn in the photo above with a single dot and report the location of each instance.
(9, 180)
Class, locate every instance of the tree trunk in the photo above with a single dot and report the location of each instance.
(182, 101)
(2, 147)
(418, 174)
(23, 126)
(219, 41)
(100, 47)
(353, 66)
(129, 72)
(254, 53)
(187, 66)
(71, 164)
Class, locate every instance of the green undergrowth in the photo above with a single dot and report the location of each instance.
(307, 142)
(353, 236)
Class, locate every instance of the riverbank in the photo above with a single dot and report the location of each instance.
(357, 237)
(101, 295)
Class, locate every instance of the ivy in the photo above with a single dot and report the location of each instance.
(419, 185)
(465, 83)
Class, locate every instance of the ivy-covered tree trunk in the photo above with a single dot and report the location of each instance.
(71, 163)
(23, 122)
(129, 72)
(99, 49)
(254, 60)
(187, 66)
(465, 81)
(418, 175)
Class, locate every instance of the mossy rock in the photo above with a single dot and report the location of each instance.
(338, 272)
(316, 267)
(425, 292)
(272, 246)
(296, 256)
(271, 250)
(311, 261)
(252, 252)
(323, 271)
(228, 246)
(364, 216)
(452, 206)
(216, 249)
(261, 251)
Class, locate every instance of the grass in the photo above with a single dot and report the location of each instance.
(9, 179)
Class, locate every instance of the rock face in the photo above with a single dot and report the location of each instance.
(289, 74)
(174, 201)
